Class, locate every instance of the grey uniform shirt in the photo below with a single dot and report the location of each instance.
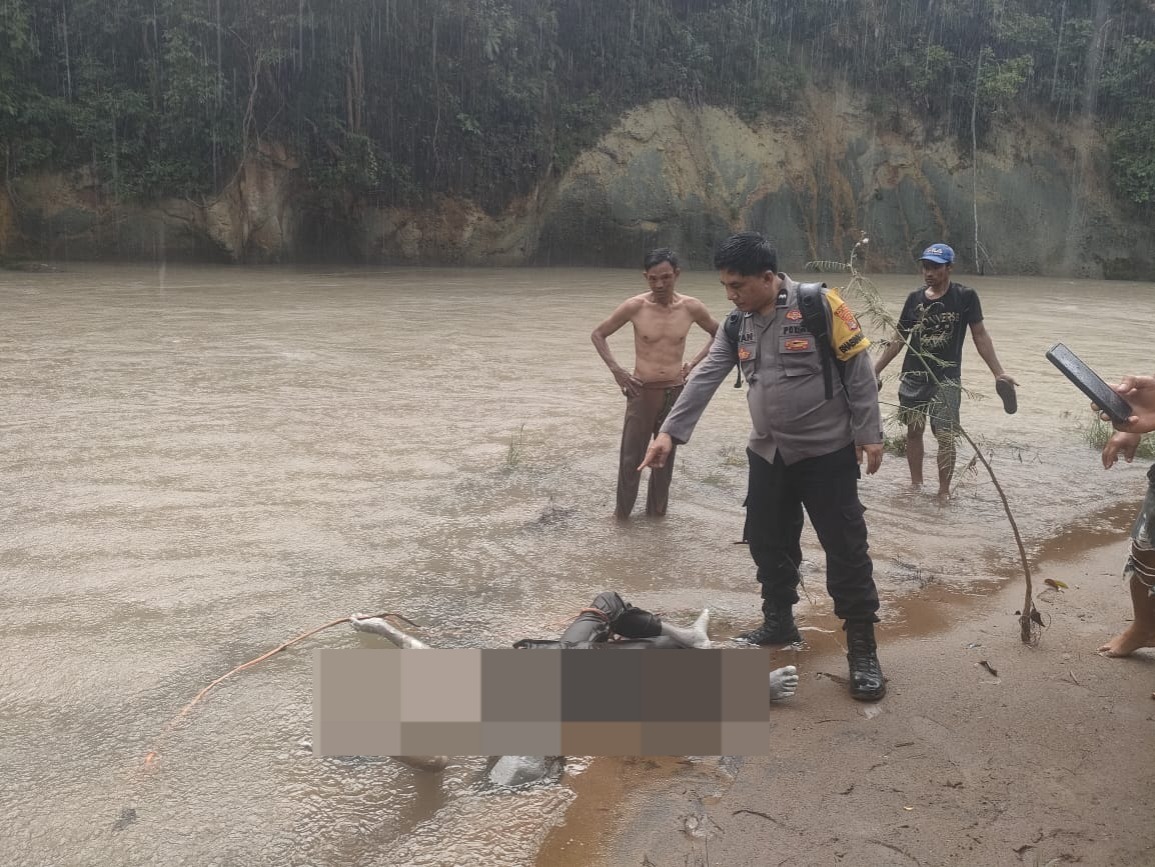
(786, 393)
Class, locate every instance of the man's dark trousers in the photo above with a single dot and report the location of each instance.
(828, 488)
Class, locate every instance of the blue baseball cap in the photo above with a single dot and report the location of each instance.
(940, 253)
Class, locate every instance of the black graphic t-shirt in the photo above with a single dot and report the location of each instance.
(937, 329)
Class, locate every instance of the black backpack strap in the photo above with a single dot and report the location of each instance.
(732, 327)
(814, 317)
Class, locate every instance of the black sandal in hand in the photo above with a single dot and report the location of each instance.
(1006, 390)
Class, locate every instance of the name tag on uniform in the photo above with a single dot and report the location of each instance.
(799, 343)
(747, 340)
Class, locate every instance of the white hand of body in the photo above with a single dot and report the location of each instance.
(783, 683)
(382, 627)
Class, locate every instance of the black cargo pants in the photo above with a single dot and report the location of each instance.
(827, 486)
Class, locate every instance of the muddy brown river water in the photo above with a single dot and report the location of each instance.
(201, 463)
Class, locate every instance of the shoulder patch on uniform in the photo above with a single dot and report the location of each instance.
(846, 336)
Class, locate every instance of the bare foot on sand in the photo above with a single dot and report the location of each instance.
(783, 683)
(695, 635)
(1128, 641)
(1141, 631)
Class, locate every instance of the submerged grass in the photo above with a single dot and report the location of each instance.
(516, 453)
(732, 456)
(1095, 433)
(894, 443)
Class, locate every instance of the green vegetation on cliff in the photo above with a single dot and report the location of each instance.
(399, 100)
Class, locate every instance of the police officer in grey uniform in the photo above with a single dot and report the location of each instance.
(804, 450)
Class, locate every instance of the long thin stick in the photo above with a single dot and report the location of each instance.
(152, 754)
(1029, 604)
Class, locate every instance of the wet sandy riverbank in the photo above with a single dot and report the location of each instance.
(1047, 762)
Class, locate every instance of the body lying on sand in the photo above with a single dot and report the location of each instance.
(607, 616)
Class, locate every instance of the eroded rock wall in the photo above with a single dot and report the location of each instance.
(68, 216)
(667, 174)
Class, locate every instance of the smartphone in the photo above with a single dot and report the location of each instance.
(1090, 383)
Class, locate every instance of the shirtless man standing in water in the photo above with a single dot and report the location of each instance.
(662, 319)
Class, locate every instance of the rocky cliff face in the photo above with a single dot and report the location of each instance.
(59, 216)
(669, 174)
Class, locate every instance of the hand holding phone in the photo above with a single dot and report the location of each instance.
(1090, 383)
(1139, 393)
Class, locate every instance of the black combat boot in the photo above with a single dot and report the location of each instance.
(866, 680)
(777, 626)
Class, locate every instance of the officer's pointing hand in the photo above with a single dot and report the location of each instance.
(873, 457)
(658, 451)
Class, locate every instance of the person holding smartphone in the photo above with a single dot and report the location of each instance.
(934, 321)
(1139, 392)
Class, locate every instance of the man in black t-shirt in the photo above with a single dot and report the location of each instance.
(934, 323)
